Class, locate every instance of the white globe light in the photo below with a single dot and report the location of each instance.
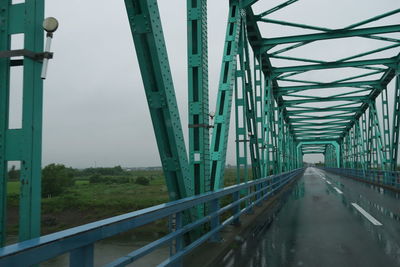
(50, 24)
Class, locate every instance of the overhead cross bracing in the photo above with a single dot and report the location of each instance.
(325, 98)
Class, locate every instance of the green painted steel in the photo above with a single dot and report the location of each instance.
(242, 172)
(385, 128)
(241, 140)
(342, 33)
(335, 65)
(379, 141)
(4, 114)
(224, 98)
(250, 109)
(145, 22)
(269, 133)
(199, 128)
(360, 149)
(23, 144)
(258, 110)
(394, 153)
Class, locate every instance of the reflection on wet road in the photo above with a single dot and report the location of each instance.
(327, 220)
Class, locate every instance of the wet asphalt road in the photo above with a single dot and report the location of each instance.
(327, 220)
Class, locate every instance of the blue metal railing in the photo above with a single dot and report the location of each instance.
(389, 179)
(79, 241)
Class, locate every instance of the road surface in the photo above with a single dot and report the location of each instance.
(327, 220)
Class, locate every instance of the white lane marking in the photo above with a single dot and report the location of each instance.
(366, 215)
(328, 182)
(338, 190)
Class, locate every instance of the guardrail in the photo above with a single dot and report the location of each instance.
(390, 179)
(79, 241)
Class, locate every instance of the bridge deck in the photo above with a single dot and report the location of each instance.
(328, 220)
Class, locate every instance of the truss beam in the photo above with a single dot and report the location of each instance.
(293, 89)
(342, 33)
(335, 65)
(199, 144)
(144, 19)
(249, 99)
(224, 98)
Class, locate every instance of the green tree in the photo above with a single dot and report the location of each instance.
(13, 174)
(55, 179)
(142, 180)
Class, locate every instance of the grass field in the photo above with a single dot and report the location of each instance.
(94, 201)
(108, 198)
(13, 188)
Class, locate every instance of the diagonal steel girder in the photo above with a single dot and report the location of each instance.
(153, 60)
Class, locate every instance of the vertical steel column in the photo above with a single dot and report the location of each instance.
(342, 155)
(293, 153)
(338, 154)
(333, 156)
(144, 19)
(394, 154)
(328, 161)
(357, 159)
(364, 136)
(288, 157)
(348, 150)
(345, 150)
(353, 147)
(24, 144)
(199, 130)
(280, 147)
(373, 138)
(328, 156)
(378, 137)
(285, 156)
(360, 146)
(31, 165)
(179, 240)
(4, 114)
(268, 110)
(275, 148)
(386, 128)
(258, 97)
(370, 141)
(299, 155)
(240, 121)
(224, 98)
(250, 108)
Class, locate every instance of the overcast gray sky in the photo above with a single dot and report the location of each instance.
(95, 110)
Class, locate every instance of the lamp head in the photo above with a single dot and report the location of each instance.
(50, 24)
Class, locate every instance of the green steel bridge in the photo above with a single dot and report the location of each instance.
(285, 106)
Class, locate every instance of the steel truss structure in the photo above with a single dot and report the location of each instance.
(280, 116)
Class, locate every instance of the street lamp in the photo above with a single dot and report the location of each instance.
(50, 25)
